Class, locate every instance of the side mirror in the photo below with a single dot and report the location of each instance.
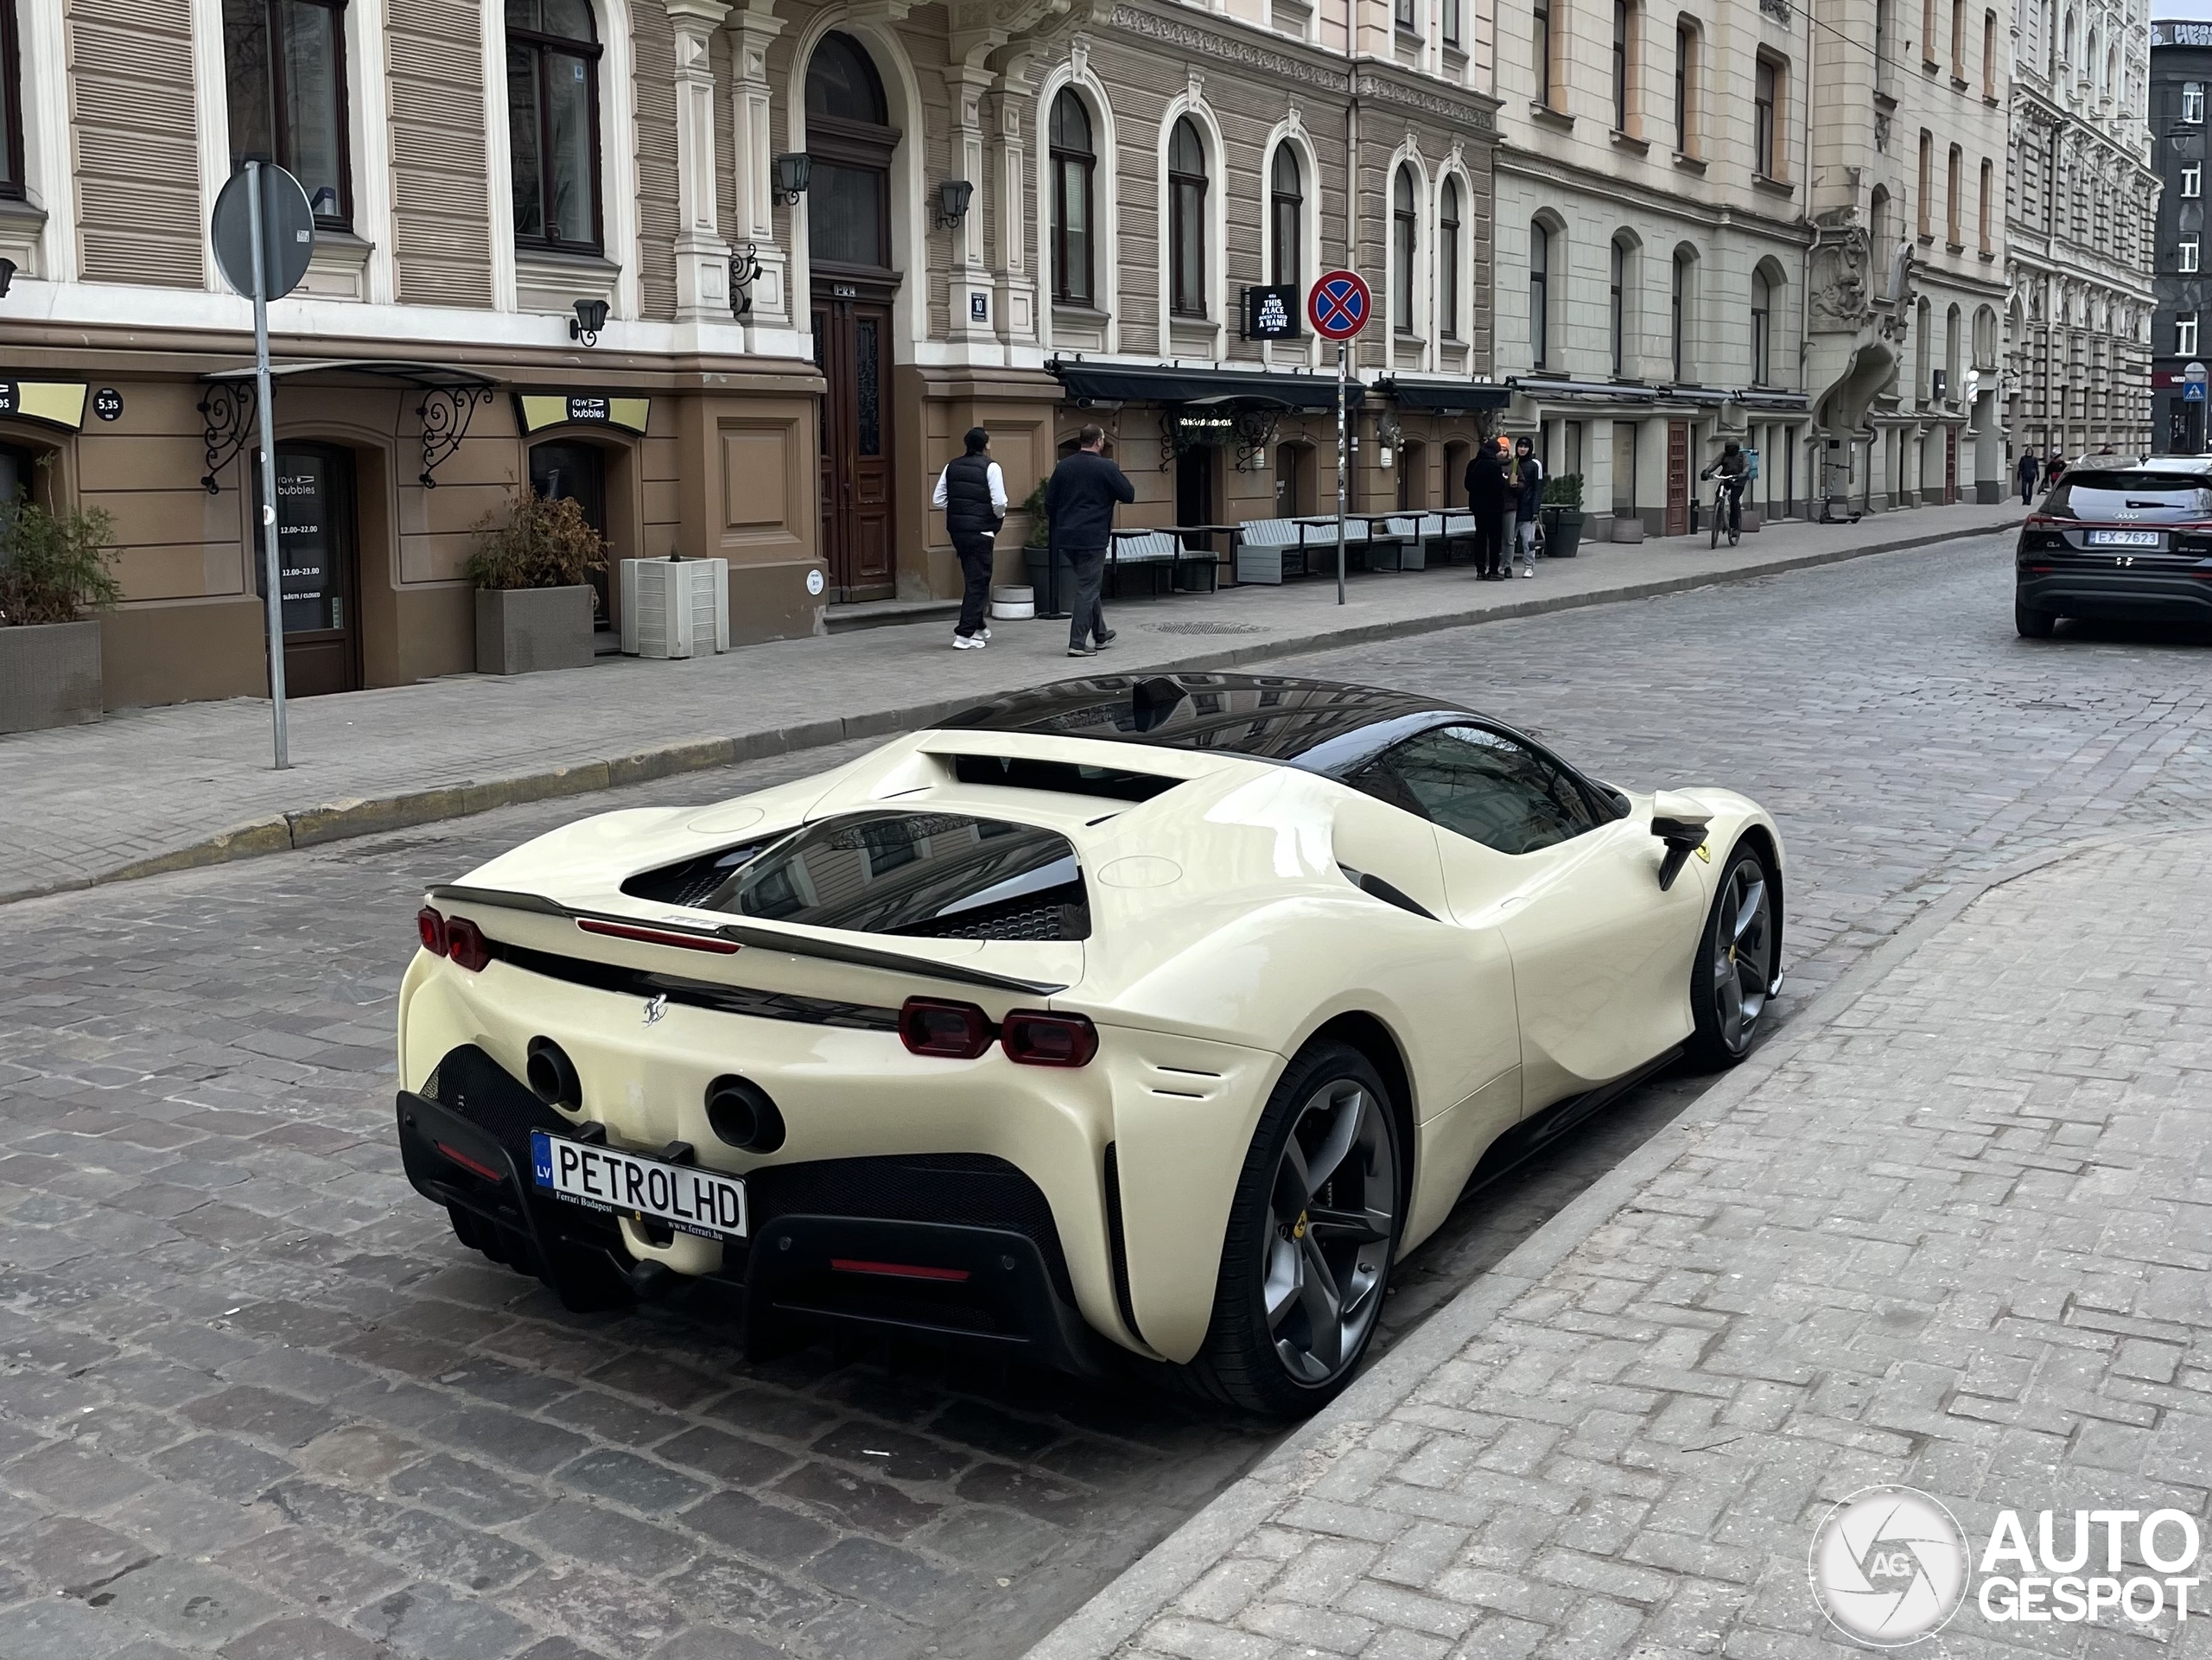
(1681, 822)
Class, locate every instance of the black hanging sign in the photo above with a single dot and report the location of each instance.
(1274, 314)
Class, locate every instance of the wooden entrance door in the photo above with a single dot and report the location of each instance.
(316, 569)
(1950, 465)
(1678, 478)
(852, 347)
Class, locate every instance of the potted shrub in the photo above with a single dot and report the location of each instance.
(1044, 570)
(534, 602)
(1562, 515)
(53, 567)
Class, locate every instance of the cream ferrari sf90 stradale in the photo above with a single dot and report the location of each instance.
(1159, 1013)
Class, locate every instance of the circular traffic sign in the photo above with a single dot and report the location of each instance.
(1338, 305)
(287, 231)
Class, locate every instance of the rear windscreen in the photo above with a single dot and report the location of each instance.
(2131, 497)
(938, 875)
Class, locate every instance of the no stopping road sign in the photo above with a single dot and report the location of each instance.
(1338, 305)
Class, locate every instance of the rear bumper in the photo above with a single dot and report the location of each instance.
(2118, 597)
(953, 1248)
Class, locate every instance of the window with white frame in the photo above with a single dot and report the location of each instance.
(1762, 320)
(11, 104)
(1286, 218)
(2192, 102)
(1405, 247)
(2185, 254)
(1448, 259)
(1075, 160)
(553, 56)
(2186, 333)
(1454, 30)
(285, 64)
(2192, 182)
(1186, 220)
(1539, 308)
(1616, 305)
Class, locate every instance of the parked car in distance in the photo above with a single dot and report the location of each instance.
(2119, 538)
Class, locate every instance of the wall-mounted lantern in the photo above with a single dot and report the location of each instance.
(590, 318)
(794, 169)
(952, 199)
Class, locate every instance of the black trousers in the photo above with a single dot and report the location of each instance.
(1491, 552)
(1086, 617)
(976, 553)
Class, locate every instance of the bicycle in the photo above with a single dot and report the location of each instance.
(1723, 498)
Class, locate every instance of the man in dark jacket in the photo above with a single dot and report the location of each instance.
(1528, 502)
(972, 492)
(1486, 500)
(2029, 469)
(1079, 506)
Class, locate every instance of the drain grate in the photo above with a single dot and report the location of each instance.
(1210, 628)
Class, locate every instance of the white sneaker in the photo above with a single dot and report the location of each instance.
(1528, 571)
(976, 642)
(984, 634)
(964, 643)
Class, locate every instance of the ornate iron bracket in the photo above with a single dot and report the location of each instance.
(1256, 435)
(445, 413)
(744, 272)
(228, 408)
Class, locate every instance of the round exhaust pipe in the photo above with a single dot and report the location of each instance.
(552, 1075)
(741, 1113)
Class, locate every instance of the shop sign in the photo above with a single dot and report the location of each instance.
(57, 403)
(1272, 314)
(535, 411)
(107, 404)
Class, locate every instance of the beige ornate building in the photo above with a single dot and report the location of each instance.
(826, 238)
(1906, 277)
(1651, 178)
(2082, 202)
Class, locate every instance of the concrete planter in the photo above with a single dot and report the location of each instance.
(522, 629)
(49, 676)
(1627, 528)
(1753, 519)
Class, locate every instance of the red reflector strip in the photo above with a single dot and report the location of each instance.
(656, 937)
(470, 1165)
(898, 1271)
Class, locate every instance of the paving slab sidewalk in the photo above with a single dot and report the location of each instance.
(149, 790)
(1948, 1232)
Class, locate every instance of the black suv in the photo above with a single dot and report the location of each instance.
(2119, 537)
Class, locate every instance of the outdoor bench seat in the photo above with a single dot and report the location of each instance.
(1155, 552)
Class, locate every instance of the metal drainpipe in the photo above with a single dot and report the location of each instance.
(1812, 446)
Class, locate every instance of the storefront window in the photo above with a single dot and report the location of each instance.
(553, 122)
(286, 63)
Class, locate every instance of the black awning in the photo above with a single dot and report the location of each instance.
(341, 371)
(1115, 383)
(1449, 395)
(1544, 387)
(1776, 401)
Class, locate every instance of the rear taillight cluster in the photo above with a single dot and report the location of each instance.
(455, 937)
(928, 1026)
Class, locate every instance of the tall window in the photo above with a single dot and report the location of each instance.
(1407, 20)
(11, 114)
(285, 62)
(1287, 216)
(2192, 182)
(1763, 80)
(1678, 317)
(1928, 33)
(1540, 307)
(1405, 247)
(1540, 47)
(1982, 205)
(1624, 25)
(1187, 221)
(2186, 254)
(850, 135)
(2192, 102)
(1989, 54)
(1448, 259)
(1685, 90)
(1453, 34)
(1952, 193)
(1761, 315)
(1074, 163)
(2186, 333)
(1617, 306)
(1959, 39)
(553, 122)
(1878, 222)
(1926, 182)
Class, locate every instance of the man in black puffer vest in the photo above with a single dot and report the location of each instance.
(972, 492)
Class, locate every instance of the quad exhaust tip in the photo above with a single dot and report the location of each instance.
(741, 1113)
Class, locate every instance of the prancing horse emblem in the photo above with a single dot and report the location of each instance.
(656, 1007)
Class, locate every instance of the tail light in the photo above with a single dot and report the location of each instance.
(1040, 1039)
(956, 1031)
(432, 928)
(465, 945)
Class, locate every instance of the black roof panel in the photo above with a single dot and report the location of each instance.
(1268, 716)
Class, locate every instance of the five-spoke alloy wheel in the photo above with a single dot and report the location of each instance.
(1312, 1233)
(1736, 967)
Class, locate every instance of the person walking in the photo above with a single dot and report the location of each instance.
(2028, 470)
(972, 492)
(1493, 510)
(2052, 466)
(1079, 505)
(1529, 500)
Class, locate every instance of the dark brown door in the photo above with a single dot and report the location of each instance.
(852, 347)
(317, 570)
(566, 471)
(1950, 465)
(1678, 478)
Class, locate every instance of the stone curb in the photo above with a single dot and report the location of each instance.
(340, 820)
(1145, 1589)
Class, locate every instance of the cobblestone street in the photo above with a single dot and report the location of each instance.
(255, 1400)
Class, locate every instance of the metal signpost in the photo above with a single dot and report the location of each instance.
(263, 231)
(1338, 307)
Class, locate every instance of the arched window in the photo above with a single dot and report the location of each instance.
(553, 122)
(1074, 162)
(1686, 73)
(285, 62)
(1952, 194)
(1879, 226)
(1924, 325)
(850, 135)
(1287, 217)
(1926, 182)
(1539, 305)
(1447, 260)
(1951, 342)
(1762, 318)
(1681, 300)
(1989, 54)
(1405, 245)
(1624, 20)
(1186, 220)
(1989, 179)
(1617, 298)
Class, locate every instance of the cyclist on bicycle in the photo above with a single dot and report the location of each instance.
(1734, 471)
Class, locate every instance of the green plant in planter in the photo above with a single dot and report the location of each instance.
(536, 543)
(1040, 531)
(1563, 490)
(52, 566)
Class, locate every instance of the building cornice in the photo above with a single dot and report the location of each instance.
(1550, 169)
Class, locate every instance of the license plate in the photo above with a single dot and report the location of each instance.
(2123, 539)
(686, 1198)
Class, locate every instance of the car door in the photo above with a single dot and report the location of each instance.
(1601, 956)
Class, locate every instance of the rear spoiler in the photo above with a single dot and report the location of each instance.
(759, 938)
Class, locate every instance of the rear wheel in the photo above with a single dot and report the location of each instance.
(2032, 624)
(1312, 1233)
(1735, 966)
